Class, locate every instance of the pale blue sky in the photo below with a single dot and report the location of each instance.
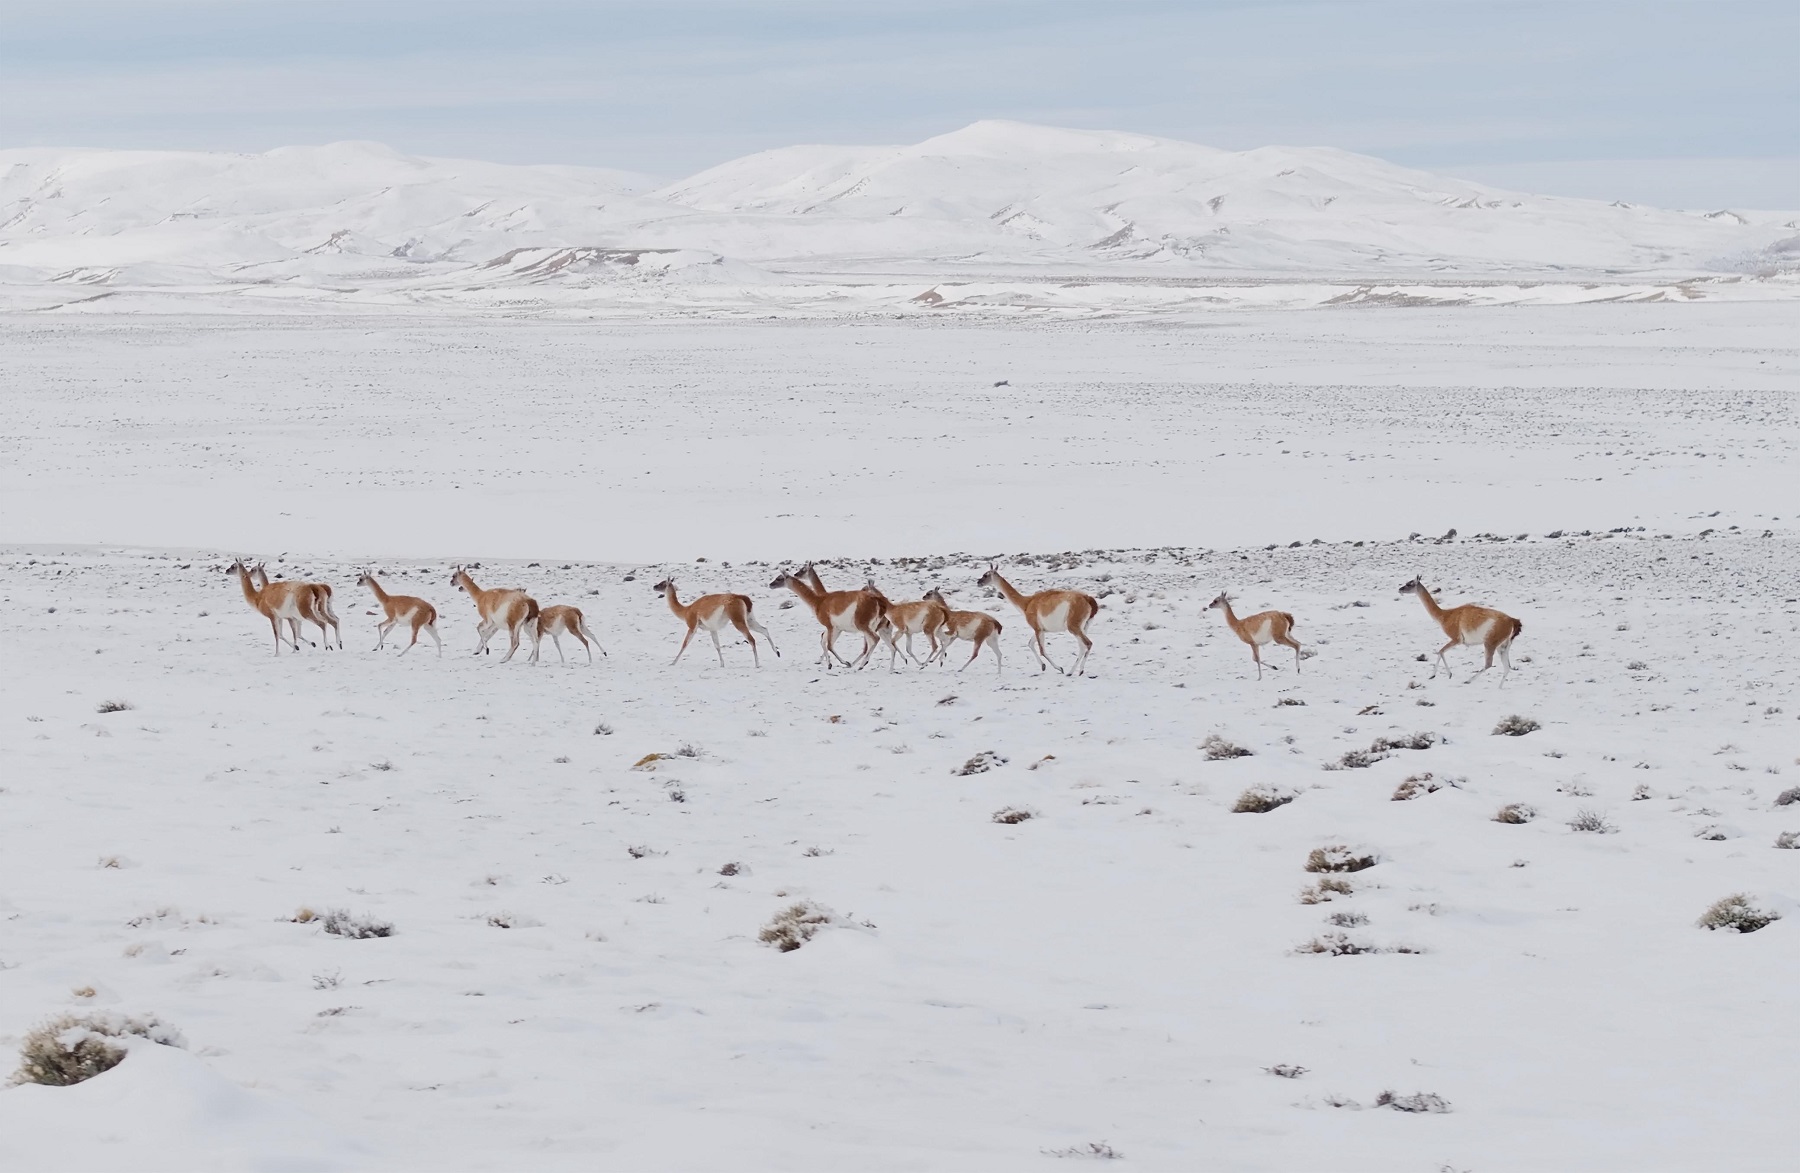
(1661, 101)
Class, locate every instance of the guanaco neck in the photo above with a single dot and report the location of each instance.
(681, 612)
(1431, 605)
(810, 597)
(251, 594)
(1231, 619)
(1007, 589)
(381, 596)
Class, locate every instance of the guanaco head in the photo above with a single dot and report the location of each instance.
(459, 578)
(365, 578)
(869, 588)
(1412, 586)
(992, 577)
(783, 579)
(1224, 600)
(937, 597)
(664, 587)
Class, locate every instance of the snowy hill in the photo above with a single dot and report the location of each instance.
(359, 220)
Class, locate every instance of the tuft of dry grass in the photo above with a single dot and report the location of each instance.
(1738, 914)
(1516, 726)
(1338, 858)
(1217, 749)
(1593, 821)
(1262, 798)
(1417, 1102)
(1336, 945)
(76, 1047)
(1286, 1070)
(795, 925)
(340, 923)
(1093, 1150)
(1788, 840)
(1290, 701)
(981, 763)
(1355, 759)
(1012, 815)
(1416, 741)
(1325, 890)
(1415, 785)
(113, 706)
(1515, 812)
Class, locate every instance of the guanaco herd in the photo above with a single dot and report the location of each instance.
(864, 611)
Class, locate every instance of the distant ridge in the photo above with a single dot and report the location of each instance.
(992, 198)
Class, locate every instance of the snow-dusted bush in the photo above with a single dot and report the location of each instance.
(1012, 814)
(1355, 759)
(1346, 920)
(1288, 701)
(1261, 799)
(1093, 1150)
(795, 925)
(981, 763)
(1737, 913)
(1336, 945)
(1325, 891)
(1591, 820)
(1788, 840)
(1415, 785)
(1788, 797)
(113, 706)
(1516, 726)
(1217, 749)
(1416, 741)
(341, 923)
(1417, 1102)
(1287, 1070)
(1515, 812)
(1339, 858)
(75, 1047)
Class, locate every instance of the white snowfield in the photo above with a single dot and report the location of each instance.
(575, 979)
(1014, 217)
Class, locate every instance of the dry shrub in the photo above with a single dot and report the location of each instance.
(795, 925)
(1287, 701)
(1346, 920)
(1735, 912)
(113, 706)
(981, 763)
(340, 923)
(67, 1050)
(731, 869)
(1515, 812)
(1286, 1070)
(1516, 726)
(1093, 1150)
(1788, 797)
(1788, 840)
(1591, 820)
(1339, 858)
(1414, 786)
(1261, 799)
(1337, 945)
(1416, 741)
(1012, 814)
(1217, 749)
(1417, 1102)
(1355, 759)
(1325, 890)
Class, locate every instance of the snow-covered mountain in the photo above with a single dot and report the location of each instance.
(993, 198)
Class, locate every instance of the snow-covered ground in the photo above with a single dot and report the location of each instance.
(574, 980)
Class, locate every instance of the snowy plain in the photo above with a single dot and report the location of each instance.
(574, 982)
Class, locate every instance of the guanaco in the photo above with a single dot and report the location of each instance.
(925, 617)
(281, 602)
(1469, 625)
(1050, 611)
(315, 607)
(1259, 630)
(514, 610)
(978, 627)
(416, 613)
(558, 621)
(714, 612)
(837, 612)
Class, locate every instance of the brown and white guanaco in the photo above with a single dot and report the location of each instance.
(556, 622)
(280, 602)
(925, 617)
(1050, 611)
(416, 613)
(315, 607)
(1259, 630)
(513, 610)
(715, 613)
(978, 627)
(838, 612)
(1472, 626)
